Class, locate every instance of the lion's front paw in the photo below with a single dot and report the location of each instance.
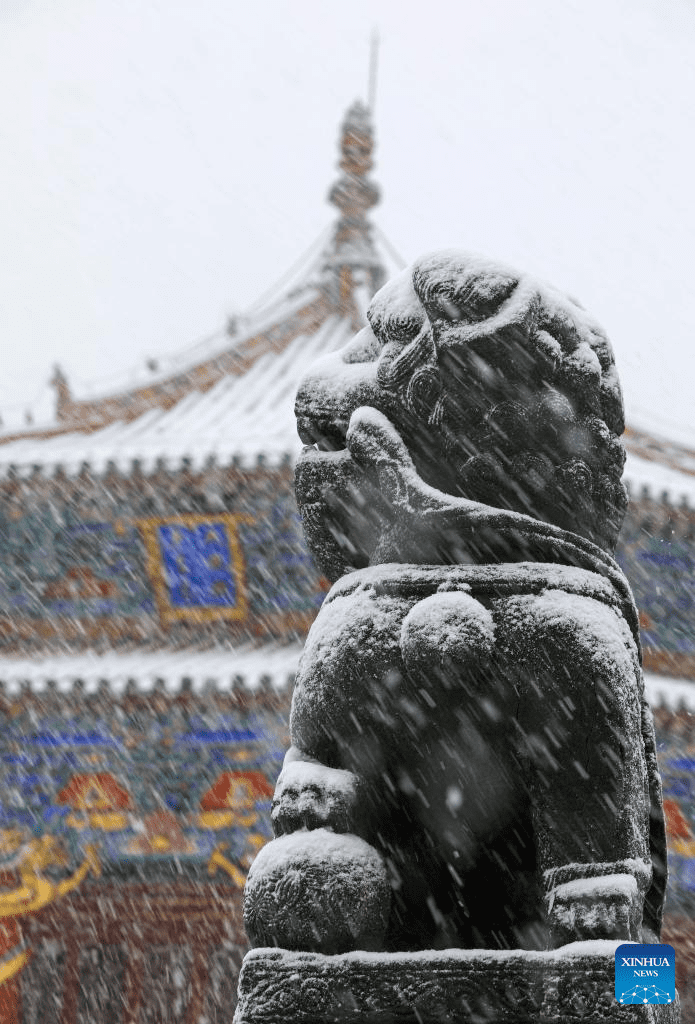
(310, 796)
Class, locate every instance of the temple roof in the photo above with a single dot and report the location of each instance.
(660, 459)
(659, 476)
(231, 398)
(234, 399)
(240, 417)
(244, 416)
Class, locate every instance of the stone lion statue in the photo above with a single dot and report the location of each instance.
(472, 760)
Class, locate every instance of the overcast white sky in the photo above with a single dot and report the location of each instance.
(164, 161)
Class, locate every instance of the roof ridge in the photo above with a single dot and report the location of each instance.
(84, 416)
(317, 285)
(663, 450)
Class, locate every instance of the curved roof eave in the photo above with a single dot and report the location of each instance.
(239, 418)
(220, 670)
(248, 668)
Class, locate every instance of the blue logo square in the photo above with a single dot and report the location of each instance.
(645, 973)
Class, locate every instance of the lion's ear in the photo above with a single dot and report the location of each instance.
(395, 313)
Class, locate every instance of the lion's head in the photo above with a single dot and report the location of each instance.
(503, 390)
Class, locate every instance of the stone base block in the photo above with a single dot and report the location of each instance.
(573, 984)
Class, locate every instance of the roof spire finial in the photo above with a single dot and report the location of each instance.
(373, 68)
(352, 260)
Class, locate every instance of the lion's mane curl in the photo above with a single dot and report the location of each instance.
(505, 390)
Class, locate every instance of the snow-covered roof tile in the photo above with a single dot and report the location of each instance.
(242, 416)
(249, 668)
(662, 429)
(673, 694)
(658, 479)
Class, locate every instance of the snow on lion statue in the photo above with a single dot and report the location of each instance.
(473, 761)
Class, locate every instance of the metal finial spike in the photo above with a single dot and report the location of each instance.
(373, 64)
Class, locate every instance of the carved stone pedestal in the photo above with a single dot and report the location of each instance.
(573, 984)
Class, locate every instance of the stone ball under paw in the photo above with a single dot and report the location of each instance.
(317, 891)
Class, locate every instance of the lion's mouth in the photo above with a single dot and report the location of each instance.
(322, 434)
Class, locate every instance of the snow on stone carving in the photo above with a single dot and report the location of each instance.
(468, 712)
